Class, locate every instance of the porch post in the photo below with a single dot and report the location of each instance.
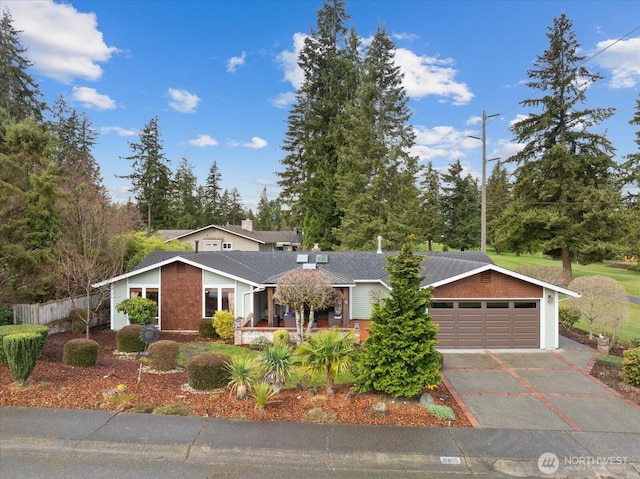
(270, 317)
(345, 307)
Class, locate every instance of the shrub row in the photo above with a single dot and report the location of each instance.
(631, 366)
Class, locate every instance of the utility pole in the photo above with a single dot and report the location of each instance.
(483, 192)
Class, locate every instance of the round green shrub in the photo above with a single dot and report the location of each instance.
(22, 350)
(206, 329)
(281, 337)
(208, 371)
(139, 310)
(80, 352)
(224, 324)
(128, 339)
(40, 329)
(631, 366)
(164, 355)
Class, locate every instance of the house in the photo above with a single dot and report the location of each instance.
(235, 238)
(476, 303)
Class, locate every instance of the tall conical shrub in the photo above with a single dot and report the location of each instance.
(22, 352)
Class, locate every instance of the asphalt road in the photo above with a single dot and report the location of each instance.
(41, 466)
(634, 299)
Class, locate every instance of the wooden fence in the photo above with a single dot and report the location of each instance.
(53, 312)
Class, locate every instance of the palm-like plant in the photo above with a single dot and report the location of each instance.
(330, 351)
(277, 364)
(263, 393)
(243, 372)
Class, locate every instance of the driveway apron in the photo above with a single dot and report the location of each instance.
(537, 389)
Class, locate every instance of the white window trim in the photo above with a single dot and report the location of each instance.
(219, 287)
(227, 245)
(144, 287)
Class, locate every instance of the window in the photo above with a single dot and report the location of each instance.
(218, 299)
(442, 305)
(470, 304)
(525, 305)
(227, 245)
(144, 292)
(497, 304)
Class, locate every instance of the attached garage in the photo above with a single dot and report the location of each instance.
(488, 324)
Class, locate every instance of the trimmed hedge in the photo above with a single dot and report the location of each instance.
(40, 329)
(206, 329)
(631, 366)
(22, 351)
(80, 352)
(163, 355)
(128, 339)
(208, 371)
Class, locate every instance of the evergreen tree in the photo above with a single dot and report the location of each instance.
(212, 196)
(498, 197)
(376, 178)
(631, 177)
(399, 356)
(432, 219)
(76, 138)
(151, 178)
(19, 93)
(233, 207)
(461, 208)
(313, 132)
(269, 214)
(185, 208)
(29, 195)
(564, 190)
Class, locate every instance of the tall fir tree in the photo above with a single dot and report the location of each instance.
(564, 190)
(399, 356)
(151, 178)
(212, 196)
(498, 198)
(376, 191)
(631, 212)
(185, 210)
(20, 95)
(313, 132)
(461, 208)
(432, 215)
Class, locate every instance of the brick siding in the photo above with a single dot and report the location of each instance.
(181, 297)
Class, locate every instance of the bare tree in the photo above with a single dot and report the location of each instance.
(300, 288)
(603, 304)
(92, 248)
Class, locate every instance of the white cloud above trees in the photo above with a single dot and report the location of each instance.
(622, 59)
(90, 98)
(202, 141)
(183, 101)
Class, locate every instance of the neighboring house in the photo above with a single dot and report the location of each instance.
(476, 303)
(235, 238)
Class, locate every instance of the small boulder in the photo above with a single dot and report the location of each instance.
(425, 400)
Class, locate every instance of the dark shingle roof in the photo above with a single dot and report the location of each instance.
(343, 267)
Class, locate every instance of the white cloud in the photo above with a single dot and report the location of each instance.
(235, 62)
(90, 98)
(622, 59)
(203, 140)
(442, 142)
(183, 101)
(283, 100)
(62, 43)
(105, 130)
(518, 119)
(425, 76)
(405, 36)
(288, 60)
(256, 143)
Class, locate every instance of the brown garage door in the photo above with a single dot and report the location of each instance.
(487, 324)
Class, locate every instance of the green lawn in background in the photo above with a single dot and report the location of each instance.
(630, 281)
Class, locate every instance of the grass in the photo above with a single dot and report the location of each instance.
(630, 281)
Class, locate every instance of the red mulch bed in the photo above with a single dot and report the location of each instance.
(56, 385)
(609, 375)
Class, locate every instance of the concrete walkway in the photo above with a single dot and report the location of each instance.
(538, 390)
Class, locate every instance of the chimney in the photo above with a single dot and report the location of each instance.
(247, 225)
(196, 245)
(379, 245)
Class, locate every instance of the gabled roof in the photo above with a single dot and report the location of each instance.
(344, 268)
(262, 237)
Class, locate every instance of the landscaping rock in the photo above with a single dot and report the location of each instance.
(425, 400)
(380, 408)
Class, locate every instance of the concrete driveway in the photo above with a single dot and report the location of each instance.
(540, 390)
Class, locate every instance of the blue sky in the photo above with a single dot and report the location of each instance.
(220, 74)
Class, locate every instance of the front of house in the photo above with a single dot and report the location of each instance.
(477, 304)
